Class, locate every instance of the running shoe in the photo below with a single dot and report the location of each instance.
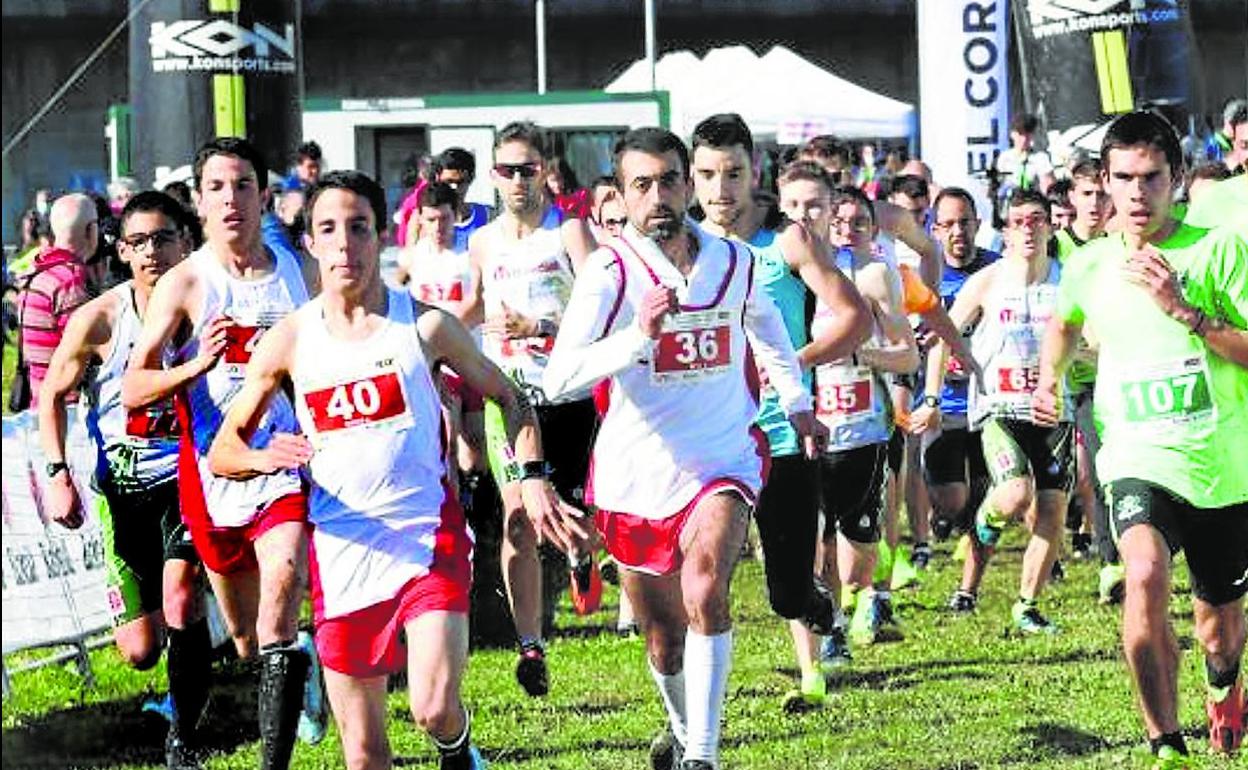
(586, 581)
(886, 620)
(1112, 584)
(921, 556)
(314, 717)
(809, 696)
(475, 760)
(904, 573)
(864, 628)
(1226, 719)
(1058, 572)
(942, 528)
(1028, 619)
(162, 706)
(963, 602)
(531, 670)
(179, 755)
(834, 651)
(697, 764)
(666, 753)
(1170, 758)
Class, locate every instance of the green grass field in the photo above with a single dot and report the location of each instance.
(958, 692)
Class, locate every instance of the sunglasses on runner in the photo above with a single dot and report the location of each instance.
(615, 222)
(509, 170)
(155, 239)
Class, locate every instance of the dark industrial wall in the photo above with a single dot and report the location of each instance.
(357, 48)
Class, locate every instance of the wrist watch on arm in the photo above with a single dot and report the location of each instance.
(534, 469)
(932, 401)
(53, 468)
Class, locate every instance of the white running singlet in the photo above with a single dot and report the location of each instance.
(371, 411)
(681, 408)
(255, 306)
(532, 276)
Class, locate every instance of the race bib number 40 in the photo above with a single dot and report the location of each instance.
(1174, 392)
(375, 402)
(693, 346)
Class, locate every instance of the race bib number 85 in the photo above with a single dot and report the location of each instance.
(372, 401)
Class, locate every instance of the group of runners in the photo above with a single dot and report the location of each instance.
(647, 383)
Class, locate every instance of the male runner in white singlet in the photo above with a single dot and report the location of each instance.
(523, 264)
(250, 535)
(663, 314)
(152, 566)
(390, 548)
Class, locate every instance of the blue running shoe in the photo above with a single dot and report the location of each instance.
(314, 718)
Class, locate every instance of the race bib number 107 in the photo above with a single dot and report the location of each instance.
(1178, 392)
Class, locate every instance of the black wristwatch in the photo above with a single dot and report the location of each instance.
(534, 469)
(54, 468)
(932, 401)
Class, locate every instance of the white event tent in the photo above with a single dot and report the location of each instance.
(780, 95)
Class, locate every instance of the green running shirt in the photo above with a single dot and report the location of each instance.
(1169, 410)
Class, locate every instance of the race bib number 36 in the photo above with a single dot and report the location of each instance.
(1175, 392)
(375, 401)
(694, 345)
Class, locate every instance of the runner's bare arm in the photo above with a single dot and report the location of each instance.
(88, 331)
(448, 341)
(966, 308)
(146, 380)
(231, 455)
(578, 241)
(770, 343)
(472, 310)
(582, 356)
(851, 317)
(896, 221)
(881, 286)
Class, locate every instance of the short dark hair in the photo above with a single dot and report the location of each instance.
(849, 194)
(652, 141)
(524, 131)
(437, 194)
(457, 159)
(1148, 128)
(606, 180)
(233, 147)
(726, 129)
(1025, 123)
(1087, 169)
(825, 146)
(911, 185)
(1029, 197)
(1235, 112)
(309, 150)
(955, 192)
(804, 171)
(152, 201)
(353, 181)
(1059, 193)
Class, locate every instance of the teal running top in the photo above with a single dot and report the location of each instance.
(787, 290)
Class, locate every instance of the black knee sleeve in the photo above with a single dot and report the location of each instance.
(283, 671)
(190, 670)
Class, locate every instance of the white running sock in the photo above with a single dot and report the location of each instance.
(708, 660)
(672, 691)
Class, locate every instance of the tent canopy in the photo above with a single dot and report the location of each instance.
(779, 94)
